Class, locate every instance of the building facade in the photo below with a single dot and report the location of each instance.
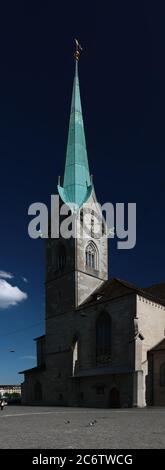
(10, 389)
(99, 332)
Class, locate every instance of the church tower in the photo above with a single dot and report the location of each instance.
(100, 336)
(78, 265)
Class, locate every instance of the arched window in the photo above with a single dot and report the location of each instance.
(103, 338)
(75, 356)
(61, 257)
(91, 256)
(162, 375)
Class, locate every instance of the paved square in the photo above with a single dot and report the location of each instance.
(66, 428)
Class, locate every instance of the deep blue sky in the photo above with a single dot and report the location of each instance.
(122, 79)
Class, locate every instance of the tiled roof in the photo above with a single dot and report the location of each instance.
(115, 288)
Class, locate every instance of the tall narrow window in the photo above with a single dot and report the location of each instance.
(75, 357)
(81, 216)
(162, 375)
(103, 228)
(91, 256)
(92, 224)
(61, 257)
(103, 338)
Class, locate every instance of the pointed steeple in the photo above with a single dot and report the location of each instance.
(77, 185)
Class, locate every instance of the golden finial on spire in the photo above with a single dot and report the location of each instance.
(78, 49)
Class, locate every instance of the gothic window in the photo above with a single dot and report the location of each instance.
(91, 256)
(61, 257)
(162, 375)
(103, 338)
(75, 356)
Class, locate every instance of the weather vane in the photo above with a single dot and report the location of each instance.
(78, 49)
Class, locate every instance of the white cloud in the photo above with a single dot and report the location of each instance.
(5, 275)
(10, 295)
(24, 279)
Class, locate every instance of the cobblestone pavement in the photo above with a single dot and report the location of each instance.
(70, 428)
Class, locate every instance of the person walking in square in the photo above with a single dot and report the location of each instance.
(2, 404)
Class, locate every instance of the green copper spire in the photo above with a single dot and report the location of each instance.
(77, 185)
